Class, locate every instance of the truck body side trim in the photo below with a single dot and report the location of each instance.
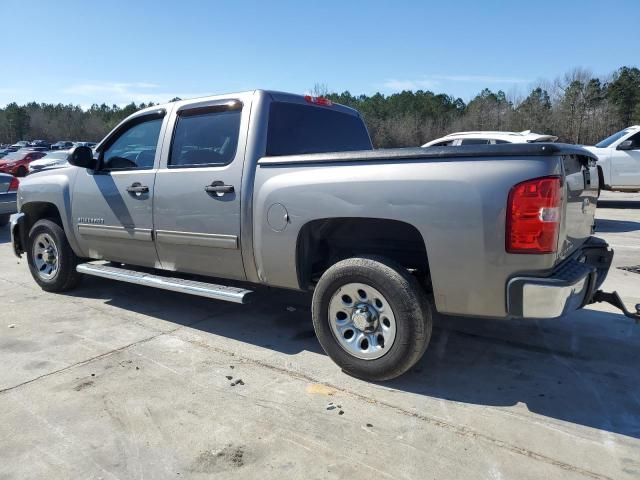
(213, 240)
(108, 231)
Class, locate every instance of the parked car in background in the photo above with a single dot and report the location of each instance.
(62, 145)
(51, 159)
(84, 144)
(35, 149)
(619, 160)
(489, 138)
(17, 163)
(20, 144)
(8, 193)
(4, 152)
(40, 143)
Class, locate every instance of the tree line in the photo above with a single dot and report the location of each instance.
(578, 107)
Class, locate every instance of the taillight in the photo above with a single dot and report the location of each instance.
(13, 186)
(533, 216)
(318, 100)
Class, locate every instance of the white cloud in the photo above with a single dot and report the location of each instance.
(432, 82)
(423, 84)
(480, 78)
(122, 93)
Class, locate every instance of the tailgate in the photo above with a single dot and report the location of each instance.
(581, 196)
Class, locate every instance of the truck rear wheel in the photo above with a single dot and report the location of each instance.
(371, 317)
(51, 260)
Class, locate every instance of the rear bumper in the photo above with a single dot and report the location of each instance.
(570, 286)
(8, 203)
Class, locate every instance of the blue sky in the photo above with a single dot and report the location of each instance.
(117, 51)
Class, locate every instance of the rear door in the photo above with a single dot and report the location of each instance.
(197, 194)
(112, 206)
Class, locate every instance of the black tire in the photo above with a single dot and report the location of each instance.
(409, 303)
(66, 277)
(4, 219)
(21, 172)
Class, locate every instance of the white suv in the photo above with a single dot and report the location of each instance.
(488, 138)
(619, 160)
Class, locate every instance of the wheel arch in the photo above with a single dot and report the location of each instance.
(323, 242)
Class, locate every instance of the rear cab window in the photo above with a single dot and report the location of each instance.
(296, 128)
(475, 141)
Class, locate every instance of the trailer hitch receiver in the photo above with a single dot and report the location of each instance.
(614, 299)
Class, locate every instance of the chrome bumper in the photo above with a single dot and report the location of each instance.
(570, 286)
(18, 235)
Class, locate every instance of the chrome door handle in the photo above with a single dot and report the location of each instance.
(137, 188)
(219, 188)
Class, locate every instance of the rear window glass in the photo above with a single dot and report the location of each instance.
(475, 141)
(205, 139)
(296, 129)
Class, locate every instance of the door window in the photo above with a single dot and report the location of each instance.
(209, 138)
(635, 139)
(135, 148)
(475, 141)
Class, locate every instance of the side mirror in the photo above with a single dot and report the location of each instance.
(82, 157)
(626, 145)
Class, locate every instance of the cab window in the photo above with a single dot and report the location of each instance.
(204, 138)
(635, 139)
(135, 148)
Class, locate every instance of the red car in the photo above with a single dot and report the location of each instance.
(17, 163)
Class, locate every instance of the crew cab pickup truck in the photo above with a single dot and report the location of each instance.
(619, 160)
(286, 191)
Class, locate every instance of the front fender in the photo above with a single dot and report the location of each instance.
(53, 187)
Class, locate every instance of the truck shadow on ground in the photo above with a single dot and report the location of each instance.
(619, 203)
(582, 369)
(616, 226)
(5, 236)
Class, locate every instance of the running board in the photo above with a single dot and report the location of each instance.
(202, 289)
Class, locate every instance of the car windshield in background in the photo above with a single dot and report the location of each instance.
(296, 129)
(609, 140)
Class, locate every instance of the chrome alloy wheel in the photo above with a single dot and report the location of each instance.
(362, 321)
(45, 256)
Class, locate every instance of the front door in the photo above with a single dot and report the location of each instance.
(112, 206)
(197, 192)
(626, 165)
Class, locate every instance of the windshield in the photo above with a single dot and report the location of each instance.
(609, 140)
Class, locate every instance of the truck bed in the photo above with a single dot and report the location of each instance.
(455, 197)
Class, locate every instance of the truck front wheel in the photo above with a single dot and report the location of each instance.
(51, 260)
(371, 317)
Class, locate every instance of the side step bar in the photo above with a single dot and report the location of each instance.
(202, 289)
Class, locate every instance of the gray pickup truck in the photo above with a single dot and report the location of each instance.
(286, 191)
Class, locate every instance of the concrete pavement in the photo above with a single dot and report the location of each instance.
(119, 381)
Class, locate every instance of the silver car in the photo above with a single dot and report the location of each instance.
(8, 190)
